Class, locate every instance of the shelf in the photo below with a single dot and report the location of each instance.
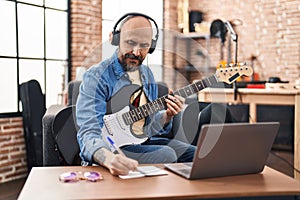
(193, 35)
(189, 52)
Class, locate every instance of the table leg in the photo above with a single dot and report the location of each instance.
(297, 136)
(252, 113)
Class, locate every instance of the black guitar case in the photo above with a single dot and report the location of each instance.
(33, 109)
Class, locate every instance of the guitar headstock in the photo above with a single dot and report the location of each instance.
(232, 72)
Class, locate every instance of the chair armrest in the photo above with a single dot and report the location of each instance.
(50, 153)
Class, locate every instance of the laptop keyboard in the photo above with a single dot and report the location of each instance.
(181, 168)
(186, 168)
(185, 171)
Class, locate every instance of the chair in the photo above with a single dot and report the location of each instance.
(73, 91)
(60, 145)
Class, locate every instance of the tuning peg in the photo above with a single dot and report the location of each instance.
(242, 64)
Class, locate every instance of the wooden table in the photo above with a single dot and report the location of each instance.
(43, 183)
(254, 97)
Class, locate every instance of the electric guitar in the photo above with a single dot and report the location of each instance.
(118, 124)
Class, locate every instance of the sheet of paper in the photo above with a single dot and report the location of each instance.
(144, 171)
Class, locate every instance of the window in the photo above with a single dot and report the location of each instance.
(112, 10)
(34, 45)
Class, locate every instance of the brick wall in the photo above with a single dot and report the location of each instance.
(86, 29)
(270, 32)
(12, 150)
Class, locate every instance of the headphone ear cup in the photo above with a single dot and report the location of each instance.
(115, 38)
(152, 47)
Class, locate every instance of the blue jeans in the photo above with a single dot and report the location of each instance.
(160, 150)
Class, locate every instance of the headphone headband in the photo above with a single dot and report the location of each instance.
(116, 33)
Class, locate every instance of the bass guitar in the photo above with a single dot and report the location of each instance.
(118, 125)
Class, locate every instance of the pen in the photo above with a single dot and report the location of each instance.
(113, 144)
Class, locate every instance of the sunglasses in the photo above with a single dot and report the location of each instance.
(77, 176)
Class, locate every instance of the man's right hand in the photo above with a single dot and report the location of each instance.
(116, 163)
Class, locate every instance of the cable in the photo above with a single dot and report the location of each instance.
(286, 161)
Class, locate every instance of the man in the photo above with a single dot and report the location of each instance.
(103, 81)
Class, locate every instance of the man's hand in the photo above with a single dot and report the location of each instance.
(174, 106)
(116, 163)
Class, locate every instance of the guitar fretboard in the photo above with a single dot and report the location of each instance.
(145, 110)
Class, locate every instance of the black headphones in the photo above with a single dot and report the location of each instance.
(218, 29)
(116, 33)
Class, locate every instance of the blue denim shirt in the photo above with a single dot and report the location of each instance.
(99, 84)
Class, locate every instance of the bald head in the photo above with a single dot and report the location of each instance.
(135, 22)
(137, 26)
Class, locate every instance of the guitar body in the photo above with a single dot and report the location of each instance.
(114, 125)
(121, 98)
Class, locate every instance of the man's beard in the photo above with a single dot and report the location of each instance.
(131, 66)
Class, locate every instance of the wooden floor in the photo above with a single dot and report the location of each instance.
(279, 160)
(10, 190)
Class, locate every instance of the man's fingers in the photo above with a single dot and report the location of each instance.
(122, 165)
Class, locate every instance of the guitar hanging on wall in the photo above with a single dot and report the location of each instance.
(118, 125)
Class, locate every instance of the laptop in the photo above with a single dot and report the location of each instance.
(229, 149)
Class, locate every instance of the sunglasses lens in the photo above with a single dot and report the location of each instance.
(68, 177)
(92, 176)
(76, 176)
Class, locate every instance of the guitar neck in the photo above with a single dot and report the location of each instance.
(196, 87)
(160, 104)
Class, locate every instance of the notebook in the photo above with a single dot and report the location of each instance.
(229, 149)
